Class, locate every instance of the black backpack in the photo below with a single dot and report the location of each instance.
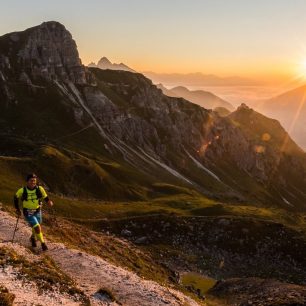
(24, 196)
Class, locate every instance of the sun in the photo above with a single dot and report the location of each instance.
(303, 66)
(302, 69)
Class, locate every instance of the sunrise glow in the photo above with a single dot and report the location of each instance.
(225, 38)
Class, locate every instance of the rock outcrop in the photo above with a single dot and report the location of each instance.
(259, 292)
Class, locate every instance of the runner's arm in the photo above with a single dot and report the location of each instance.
(45, 196)
(16, 200)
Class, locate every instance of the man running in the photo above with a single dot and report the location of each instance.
(31, 197)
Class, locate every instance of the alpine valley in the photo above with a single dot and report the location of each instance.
(190, 195)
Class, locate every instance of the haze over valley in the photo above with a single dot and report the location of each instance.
(284, 102)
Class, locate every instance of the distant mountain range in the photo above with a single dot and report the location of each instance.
(105, 63)
(203, 98)
(290, 109)
(199, 79)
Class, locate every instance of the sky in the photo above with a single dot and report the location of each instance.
(260, 39)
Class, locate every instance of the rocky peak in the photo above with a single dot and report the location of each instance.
(244, 111)
(104, 61)
(263, 129)
(44, 52)
(92, 64)
(242, 106)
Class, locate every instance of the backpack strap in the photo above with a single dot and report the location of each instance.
(38, 193)
(24, 196)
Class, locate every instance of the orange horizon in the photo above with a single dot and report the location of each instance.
(275, 73)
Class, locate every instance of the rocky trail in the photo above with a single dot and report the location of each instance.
(90, 273)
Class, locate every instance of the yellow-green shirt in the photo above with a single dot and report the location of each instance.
(32, 201)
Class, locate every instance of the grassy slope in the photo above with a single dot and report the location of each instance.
(153, 198)
(159, 197)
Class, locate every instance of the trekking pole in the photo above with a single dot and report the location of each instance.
(15, 228)
(54, 221)
(52, 214)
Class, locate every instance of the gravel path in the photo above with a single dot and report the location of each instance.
(90, 273)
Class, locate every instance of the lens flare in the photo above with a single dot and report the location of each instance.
(266, 137)
(259, 149)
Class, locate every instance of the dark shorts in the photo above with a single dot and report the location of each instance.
(32, 216)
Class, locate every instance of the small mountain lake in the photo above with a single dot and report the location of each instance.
(197, 281)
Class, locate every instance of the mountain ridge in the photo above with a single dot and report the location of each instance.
(204, 98)
(105, 63)
(289, 108)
